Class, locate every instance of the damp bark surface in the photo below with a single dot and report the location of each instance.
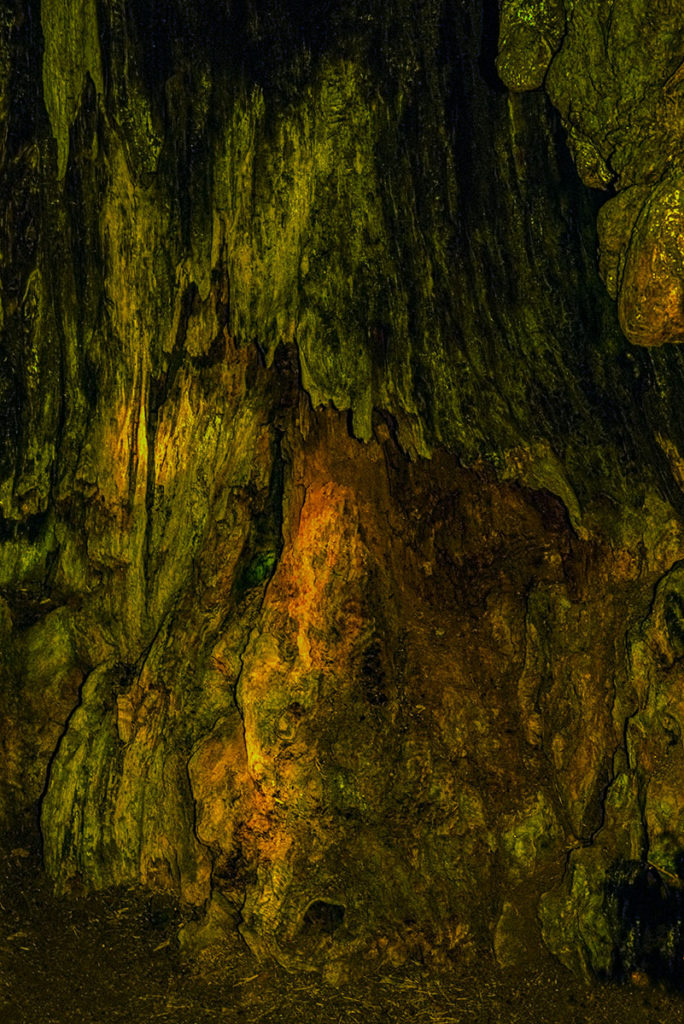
(341, 537)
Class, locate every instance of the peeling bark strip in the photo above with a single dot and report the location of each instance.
(340, 529)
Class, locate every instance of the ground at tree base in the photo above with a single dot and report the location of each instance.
(113, 958)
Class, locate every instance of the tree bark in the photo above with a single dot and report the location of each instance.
(341, 526)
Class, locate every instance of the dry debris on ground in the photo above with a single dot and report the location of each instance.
(113, 958)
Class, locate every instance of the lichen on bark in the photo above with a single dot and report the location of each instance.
(616, 78)
(354, 685)
(72, 53)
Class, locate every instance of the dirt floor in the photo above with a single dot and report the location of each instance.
(115, 958)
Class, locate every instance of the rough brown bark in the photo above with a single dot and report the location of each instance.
(340, 525)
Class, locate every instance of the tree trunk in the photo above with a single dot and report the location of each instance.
(341, 526)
